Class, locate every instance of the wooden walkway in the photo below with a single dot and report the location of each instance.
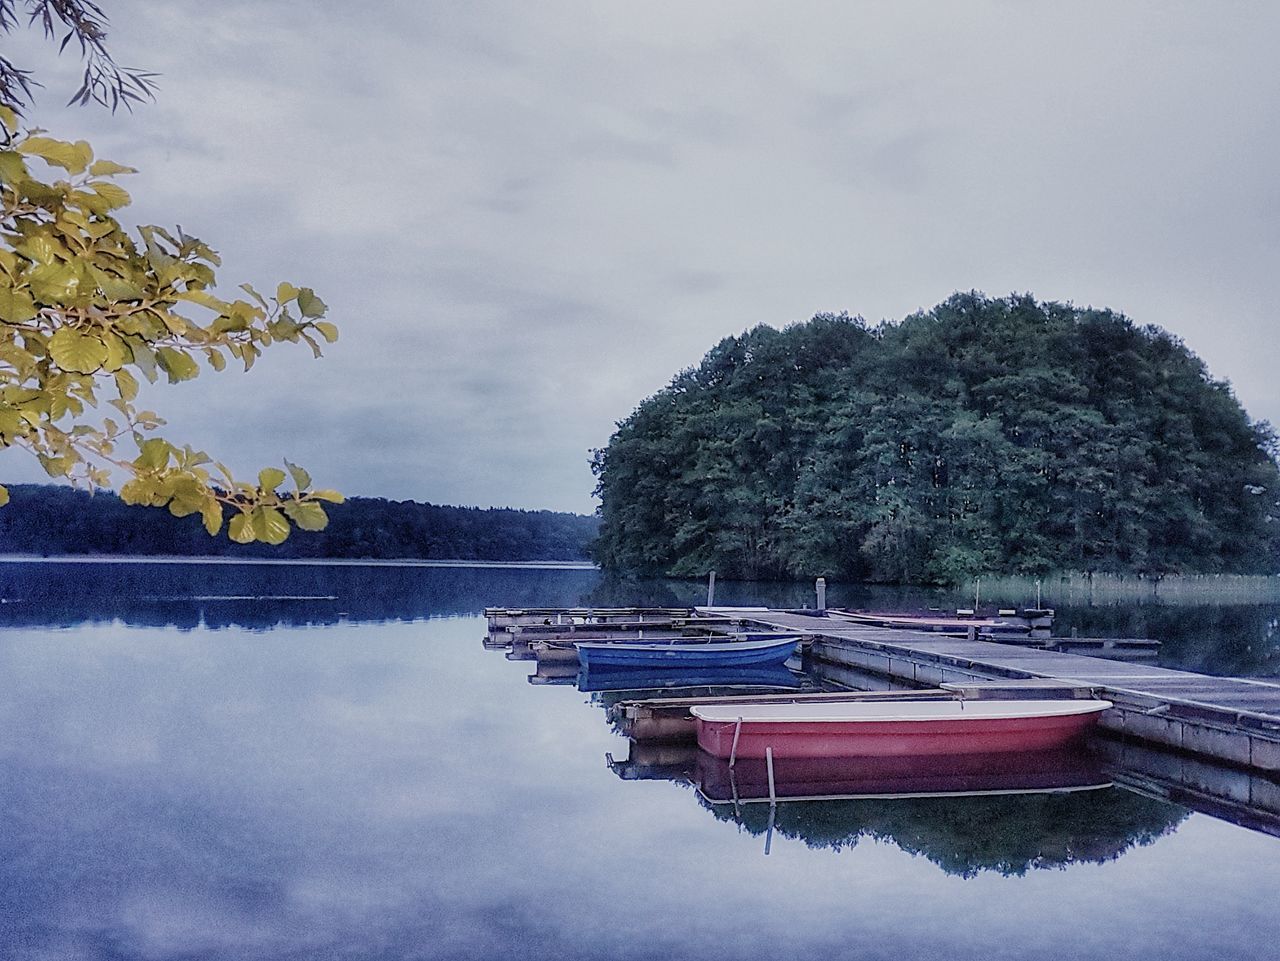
(1229, 719)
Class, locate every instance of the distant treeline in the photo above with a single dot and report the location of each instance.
(50, 520)
(987, 435)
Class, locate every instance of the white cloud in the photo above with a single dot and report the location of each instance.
(528, 217)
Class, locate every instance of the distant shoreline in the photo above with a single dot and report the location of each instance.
(294, 561)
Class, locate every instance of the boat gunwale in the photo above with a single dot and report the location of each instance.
(918, 711)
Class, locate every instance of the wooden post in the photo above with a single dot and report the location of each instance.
(821, 588)
(711, 589)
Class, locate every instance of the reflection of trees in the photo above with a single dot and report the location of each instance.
(1224, 639)
(187, 595)
(1009, 833)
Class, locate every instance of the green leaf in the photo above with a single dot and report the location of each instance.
(285, 292)
(144, 358)
(127, 384)
(269, 525)
(59, 283)
(4, 495)
(12, 167)
(300, 476)
(155, 454)
(310, 304)
(327, 330)
(241, 529)
(333, 497)
(177, 364)
(16, 306)
(269, 478)
(308, 515)
(55, 466)
(74, 351)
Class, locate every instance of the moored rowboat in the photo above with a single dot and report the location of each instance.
(772, 650)
(892, 729)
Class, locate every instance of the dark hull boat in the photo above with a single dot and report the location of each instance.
(684, 655)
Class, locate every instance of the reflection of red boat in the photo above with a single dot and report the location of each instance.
(826, 778)
(889, 728)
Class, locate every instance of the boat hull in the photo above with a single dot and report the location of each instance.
(685, 656)
(955, 733)
(664, 678)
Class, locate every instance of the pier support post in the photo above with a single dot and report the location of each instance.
(711, 589)
(821, 588)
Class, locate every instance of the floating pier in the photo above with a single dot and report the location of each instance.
(1236, 720)
(1230, 719)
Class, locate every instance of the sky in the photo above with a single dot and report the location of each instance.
(526, 218)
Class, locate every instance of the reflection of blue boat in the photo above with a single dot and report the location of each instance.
(664, 678)
(714, 654)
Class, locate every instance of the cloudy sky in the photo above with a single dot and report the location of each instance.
(526, 217)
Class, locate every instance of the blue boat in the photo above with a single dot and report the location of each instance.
(597, 654)
(663, 678)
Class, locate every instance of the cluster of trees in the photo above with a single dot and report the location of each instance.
(986, 435)
(48, 520)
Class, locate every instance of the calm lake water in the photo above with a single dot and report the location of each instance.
(188, 773)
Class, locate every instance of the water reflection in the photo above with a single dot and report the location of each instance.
(1235, 631)
(393, 792)
(968, 813)
(1009, 834)
(1009, 813)
(264, 596)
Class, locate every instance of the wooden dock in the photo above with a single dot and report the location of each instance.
(1229, 719)
(1208, 743)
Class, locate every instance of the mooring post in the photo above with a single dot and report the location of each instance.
(711, 589)
(768, 761)
(773, 799)
(821, 588)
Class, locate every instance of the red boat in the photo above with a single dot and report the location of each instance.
(892, 729)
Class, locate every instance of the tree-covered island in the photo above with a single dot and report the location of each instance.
(986, 435)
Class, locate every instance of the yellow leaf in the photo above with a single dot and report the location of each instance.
(108, 168)
(308, 515)
(211, 513)
(269, 525)
(241, 529)
(72, 157)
